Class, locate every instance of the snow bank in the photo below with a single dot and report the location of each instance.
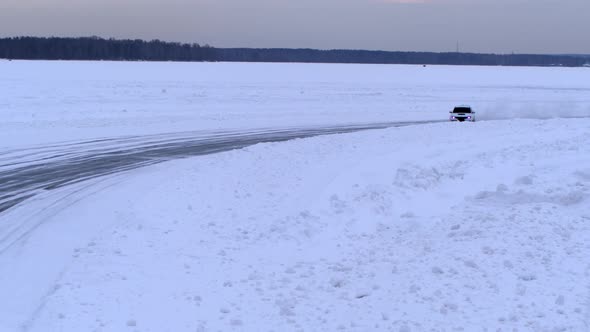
(450, 226)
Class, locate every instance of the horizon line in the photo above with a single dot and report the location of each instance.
(285, 48)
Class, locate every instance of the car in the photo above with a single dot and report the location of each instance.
(462, 113)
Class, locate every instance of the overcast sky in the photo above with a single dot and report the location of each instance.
(501, 26)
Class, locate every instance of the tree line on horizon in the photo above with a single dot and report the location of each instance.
(95, 48)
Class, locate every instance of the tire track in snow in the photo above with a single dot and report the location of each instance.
(26, 173)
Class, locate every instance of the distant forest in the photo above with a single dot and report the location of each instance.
(94, 48)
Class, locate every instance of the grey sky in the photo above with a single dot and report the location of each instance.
(521, 26)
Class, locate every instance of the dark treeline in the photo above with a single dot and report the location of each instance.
(375, 57)
(94, 48)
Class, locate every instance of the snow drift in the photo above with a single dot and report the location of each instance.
(443, 226)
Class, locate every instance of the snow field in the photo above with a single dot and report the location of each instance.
(43, 102)
(441, 227)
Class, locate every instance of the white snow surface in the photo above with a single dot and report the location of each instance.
(435, 227)
(479, 226)
(43, 102)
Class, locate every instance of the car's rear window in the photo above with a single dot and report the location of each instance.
(462, 110)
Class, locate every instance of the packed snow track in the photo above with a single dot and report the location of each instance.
(25, 173)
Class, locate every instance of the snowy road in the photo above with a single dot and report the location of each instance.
(24, 173)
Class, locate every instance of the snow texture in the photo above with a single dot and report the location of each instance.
(44, 102)
(440, 227)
